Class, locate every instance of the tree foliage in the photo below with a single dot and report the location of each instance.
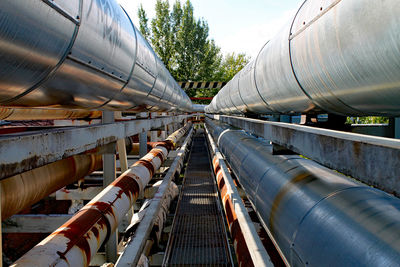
(232, 64)
(367, 120)
(143, 21)
(183, 44)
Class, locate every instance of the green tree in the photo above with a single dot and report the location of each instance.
(367, 120)
(143, 20)
(232, 64)
(183, 44)
(182, 41)
(161, 29)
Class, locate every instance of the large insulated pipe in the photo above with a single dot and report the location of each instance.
(22, 190)
(76, 241)
(90, 56)
(18, 114)
(316, 216)
(335, 56)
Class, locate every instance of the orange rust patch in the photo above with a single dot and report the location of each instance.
(147, 164)
(77, 227)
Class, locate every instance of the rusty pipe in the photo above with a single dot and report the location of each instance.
(241, 250)
(76, 241)
(248, 247)
(25, 189)
(17, 114)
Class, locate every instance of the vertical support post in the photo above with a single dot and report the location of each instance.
(153, 137)
(397, 128)
(109, 175)
(123, 160)
(164, 133)
(142, 144)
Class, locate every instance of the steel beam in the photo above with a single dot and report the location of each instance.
(23, 152)
(109, 175)
(373, 160)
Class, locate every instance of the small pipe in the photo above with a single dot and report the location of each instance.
(76, 241)
(18, 114)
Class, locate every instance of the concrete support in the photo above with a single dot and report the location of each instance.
(143, 144)
(397, 128)
(153, 136)
(109, 175)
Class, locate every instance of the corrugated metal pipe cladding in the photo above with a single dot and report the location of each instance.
(76, 241)
(317, 216)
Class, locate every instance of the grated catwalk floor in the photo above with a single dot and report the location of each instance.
(198, 236)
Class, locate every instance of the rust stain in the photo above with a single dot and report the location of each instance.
(290, 185)
(76, 229)
(147, 164)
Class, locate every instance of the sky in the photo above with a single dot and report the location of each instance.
(240, 26)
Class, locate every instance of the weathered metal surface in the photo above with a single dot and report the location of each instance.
(133, 250)
(77, 194)
(22, 190)
(248, 246)
(317, 216)
(76, 241)
(46, 114)
(101, 61)
(372, 160)
(332, 56)
(23, 152)
(34, 223)
(198, 235)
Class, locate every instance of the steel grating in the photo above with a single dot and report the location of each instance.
(198, 236)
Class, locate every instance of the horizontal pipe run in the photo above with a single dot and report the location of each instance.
(359, 156)
(248, 246)
(131, 255)
(38, 183)
(20, 153)
(335, 56)
(81, 60)
(75, 242)
(316, 216)
(20, 191)
(18, 114)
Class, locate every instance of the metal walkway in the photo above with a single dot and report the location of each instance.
(198, 236)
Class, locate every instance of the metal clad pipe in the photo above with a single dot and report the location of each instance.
(91, 56)
(315, 215)
(333, 56)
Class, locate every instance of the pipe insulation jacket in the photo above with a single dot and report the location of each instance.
(90, 56)
(316, 216)
(334, 56)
